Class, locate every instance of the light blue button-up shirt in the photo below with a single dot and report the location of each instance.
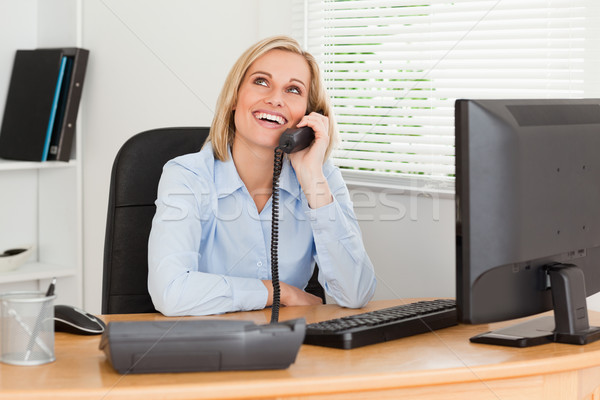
(209, 248)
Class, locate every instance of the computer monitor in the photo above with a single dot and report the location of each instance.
(528, 217)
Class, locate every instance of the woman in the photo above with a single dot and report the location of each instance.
(209, 248)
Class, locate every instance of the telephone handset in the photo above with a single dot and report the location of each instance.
(297, 139)
(291, 140)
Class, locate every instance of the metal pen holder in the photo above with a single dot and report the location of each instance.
(26, 328)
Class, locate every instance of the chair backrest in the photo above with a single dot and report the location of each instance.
(136, 171)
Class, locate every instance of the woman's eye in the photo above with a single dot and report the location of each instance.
(260, 81)
(294, 90)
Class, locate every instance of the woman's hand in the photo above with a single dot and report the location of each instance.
(313, 156)
(308, 163)
(291, 295)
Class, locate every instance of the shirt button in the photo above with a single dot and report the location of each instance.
(259, 263)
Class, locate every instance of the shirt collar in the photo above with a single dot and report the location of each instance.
(228, 180)
(288, 180)
(226, 176)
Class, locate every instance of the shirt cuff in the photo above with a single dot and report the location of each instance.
(248, 294)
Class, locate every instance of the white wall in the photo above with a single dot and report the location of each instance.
(410, 240)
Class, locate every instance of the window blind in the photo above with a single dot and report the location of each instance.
(393, 70)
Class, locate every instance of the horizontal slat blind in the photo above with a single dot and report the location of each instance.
(394, 69)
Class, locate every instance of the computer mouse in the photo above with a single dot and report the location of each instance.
(74, 320)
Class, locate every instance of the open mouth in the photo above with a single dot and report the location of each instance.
(272, 118)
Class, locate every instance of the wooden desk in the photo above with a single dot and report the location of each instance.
(439, 365)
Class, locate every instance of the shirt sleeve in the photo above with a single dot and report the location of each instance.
(184, 203)
(345, 270)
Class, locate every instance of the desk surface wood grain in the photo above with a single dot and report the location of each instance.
(443, 359)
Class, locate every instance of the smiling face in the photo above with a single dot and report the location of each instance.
(272, 97)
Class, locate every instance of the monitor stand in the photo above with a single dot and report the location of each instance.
(570, 322)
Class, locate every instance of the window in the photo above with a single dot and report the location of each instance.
(394, 69)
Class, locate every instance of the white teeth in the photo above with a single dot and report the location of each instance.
(271, 117)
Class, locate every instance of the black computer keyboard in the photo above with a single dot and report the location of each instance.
(382, 325)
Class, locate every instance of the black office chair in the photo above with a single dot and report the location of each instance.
(134, 180)
(135, 174)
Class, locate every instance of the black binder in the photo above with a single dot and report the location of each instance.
(42, 104)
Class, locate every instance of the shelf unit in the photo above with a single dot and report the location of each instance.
(41, 202)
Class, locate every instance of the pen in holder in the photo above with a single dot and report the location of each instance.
(27, 328)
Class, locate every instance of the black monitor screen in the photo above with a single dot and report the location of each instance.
(528, 204)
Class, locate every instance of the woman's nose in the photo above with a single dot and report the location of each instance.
(274, 98)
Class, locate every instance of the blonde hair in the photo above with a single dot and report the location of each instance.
(222, 129)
